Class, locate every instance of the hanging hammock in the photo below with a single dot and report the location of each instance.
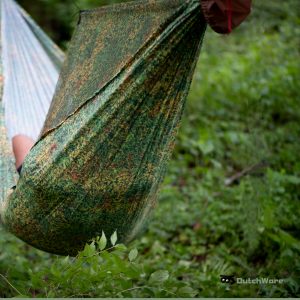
(110, 129)
(102, 152)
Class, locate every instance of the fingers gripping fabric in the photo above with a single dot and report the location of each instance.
(111, 126)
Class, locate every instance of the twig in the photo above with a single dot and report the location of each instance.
(229, 181)
(10, 284)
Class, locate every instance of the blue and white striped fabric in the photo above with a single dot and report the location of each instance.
(29, 71)
(29, 67)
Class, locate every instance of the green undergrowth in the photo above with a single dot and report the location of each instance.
(229, 204)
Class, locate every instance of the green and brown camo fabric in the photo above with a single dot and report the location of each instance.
(111, 126)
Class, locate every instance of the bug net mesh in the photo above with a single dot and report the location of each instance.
(110, 129)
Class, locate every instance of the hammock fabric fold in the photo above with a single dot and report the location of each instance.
(111, 126)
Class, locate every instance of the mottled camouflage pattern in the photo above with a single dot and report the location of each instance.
(111, 126)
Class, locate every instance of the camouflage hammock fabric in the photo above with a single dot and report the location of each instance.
(111, 126)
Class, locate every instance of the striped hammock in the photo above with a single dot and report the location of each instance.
(103, 144)
(29, 69)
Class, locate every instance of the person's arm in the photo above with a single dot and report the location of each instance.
(21, 147)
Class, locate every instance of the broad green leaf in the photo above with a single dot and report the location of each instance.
(133, 271)
(186, 291)
(159, 276)
(121, 247)
(102, 242)
(133, 254)
(113, 238)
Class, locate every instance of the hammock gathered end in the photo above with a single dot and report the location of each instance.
(111, 126)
